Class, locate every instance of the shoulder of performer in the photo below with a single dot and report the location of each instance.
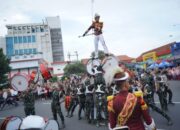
(138, 93)
(142, 103)
(110, 103)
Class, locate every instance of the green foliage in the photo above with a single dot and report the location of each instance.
(101, 54)
(54, 79)
(74, 68)
(4, 67)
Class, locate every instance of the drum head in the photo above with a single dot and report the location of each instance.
(19, 82)
(109, 62)
(32, 121)
(51, 125)
(92, 66)
(108, 65)
(13, 123)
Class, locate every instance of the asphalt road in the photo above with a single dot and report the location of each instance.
(43, 109)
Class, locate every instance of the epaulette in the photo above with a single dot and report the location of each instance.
(110, 103)
(138, 93)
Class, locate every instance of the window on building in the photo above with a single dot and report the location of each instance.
(24, 39)
(30, 51)
(33, 38)
(42, 29)
(29, 39)
(15, 40)
(20, 39)
(34, 50)
(33, 30)
(16, 52)
(25, 51)
(21, 51)
(9, 46)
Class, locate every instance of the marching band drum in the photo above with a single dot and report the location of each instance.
(32, 122)
(20, 82)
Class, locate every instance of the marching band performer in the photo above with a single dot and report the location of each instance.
(126, 109)
(58, 97)
(97, 26)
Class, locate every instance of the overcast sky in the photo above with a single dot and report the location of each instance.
(130, 26)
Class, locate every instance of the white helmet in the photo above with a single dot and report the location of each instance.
(96, 15)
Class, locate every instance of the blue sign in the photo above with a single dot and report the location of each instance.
(175, 48)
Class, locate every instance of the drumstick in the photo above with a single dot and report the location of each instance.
(85, 35)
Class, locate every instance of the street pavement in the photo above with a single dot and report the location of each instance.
(43, 108)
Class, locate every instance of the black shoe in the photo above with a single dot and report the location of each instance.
(67, 115)
(63, 126)
(89, 121)
(170, 122)
(171, 103)
(71, 116)
(79, 118)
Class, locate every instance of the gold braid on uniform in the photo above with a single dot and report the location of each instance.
(127, 110)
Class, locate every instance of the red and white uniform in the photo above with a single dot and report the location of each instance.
(97, 27)
(134, 117)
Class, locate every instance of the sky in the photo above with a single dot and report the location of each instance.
(131, 27)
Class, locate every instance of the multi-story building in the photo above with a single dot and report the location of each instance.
(27, 45)
(44, 38)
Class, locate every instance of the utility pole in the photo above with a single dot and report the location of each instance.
(69, 55)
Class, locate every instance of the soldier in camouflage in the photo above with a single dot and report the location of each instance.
(29, 102)
(100, 98)
(58, 96)
(81, 99)
(89, 102)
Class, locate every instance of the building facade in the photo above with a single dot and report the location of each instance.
(37, 38)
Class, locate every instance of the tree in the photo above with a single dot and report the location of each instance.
(101, 54)
(4, 68)
(74, 68)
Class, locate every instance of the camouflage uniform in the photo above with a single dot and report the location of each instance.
(29, 102)
(89, 102)
(55, 105)
(100, 97)
(81, 99)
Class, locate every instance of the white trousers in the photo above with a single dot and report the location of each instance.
(100, 38)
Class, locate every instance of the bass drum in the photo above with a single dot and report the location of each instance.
(20, 82)
(51, 125)
(92, 65)
(109, 63)
(11, 123)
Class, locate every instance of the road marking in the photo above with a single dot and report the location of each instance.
(173, 102)
(46, 103)
(2, 118)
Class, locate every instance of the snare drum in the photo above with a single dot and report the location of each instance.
(51, 125)
(11, 123)
(45, 72)
(34, 77)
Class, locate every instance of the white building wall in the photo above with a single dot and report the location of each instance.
(53, 22)
(3, 44)
(58, 69)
